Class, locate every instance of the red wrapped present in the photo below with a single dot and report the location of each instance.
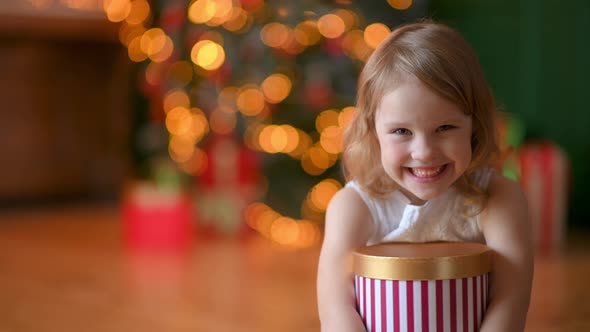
(156, 219)
(544, 176)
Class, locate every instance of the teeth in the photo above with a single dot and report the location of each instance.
(427, 172)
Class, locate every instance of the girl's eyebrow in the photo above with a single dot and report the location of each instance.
(457, 118)
(452, 119)
(395, 124)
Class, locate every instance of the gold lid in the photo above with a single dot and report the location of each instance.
(422, 261)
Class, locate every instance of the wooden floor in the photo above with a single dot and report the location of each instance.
(66, 269)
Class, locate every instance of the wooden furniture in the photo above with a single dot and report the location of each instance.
(65, 93)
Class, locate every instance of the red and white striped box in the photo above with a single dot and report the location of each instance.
(416, 287)
(544, 177)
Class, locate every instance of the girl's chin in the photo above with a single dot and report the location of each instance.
(415, 198)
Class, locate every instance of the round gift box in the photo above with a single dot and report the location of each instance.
(440, 286)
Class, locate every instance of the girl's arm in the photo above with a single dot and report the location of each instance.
(506, 227)
(348, 223)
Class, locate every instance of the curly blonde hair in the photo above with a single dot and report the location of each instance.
(441, 59)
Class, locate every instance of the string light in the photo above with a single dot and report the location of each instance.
(375, 33)
(238, 22)
(250, 101)
(117, 10)
(400, 4)
(276, 88)
(175, 98)
(201, 11)
(331, 26)
(138, 13)
(306, 33)
(274, 34)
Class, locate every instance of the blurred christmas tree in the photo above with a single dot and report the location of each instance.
(250, 98)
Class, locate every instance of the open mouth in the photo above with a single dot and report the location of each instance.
(427, 172)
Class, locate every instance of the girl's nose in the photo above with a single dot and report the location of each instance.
(422, 149)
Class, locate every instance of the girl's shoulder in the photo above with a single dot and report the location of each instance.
(353, 201)
(507, 230)
(502, 188)
(348, 220)
(348, 198)
(506, 203)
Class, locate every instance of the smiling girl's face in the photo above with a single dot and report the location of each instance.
(425, 140)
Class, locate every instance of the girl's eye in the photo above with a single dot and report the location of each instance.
(401, 131)
(446, 127)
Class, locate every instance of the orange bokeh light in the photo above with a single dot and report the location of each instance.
(375, 34)
(208, 55)
(331, 26)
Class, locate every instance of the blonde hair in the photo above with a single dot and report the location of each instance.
(442, 60)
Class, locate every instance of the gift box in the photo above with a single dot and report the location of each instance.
(156, 219)
(422, 286)
(544, 177)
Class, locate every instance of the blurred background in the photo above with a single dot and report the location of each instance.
(209, 131)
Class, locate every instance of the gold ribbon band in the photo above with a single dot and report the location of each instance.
(422, 261)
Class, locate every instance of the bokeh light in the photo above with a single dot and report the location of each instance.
(180, 148)
(153, 73)
(117, 10)
(165, 52)
(331, 139)
(331, 26)
(134, 50)
(199, 125)
(201, 11)
(152, 41)
(284, 230)
(176, 98)
(208, 55)
(400, 4)
(250, 101)
(238, 22)
(375, 34)
(139, 12)
(349, 18)
(304, 142)
(280, 229)
(326, 119)
(345, 116)
(306, 33)
(128, 32)
(196, 164)
(315, 161)
(265, 139)
(354, 45)
(276, 88)
(292, 138)
(178, 121)
(322, 193)
(274, 34)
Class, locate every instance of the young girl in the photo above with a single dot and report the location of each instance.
(418, 157)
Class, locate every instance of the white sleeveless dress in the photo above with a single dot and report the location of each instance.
(395, 219)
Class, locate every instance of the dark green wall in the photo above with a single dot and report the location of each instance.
(536, 55)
